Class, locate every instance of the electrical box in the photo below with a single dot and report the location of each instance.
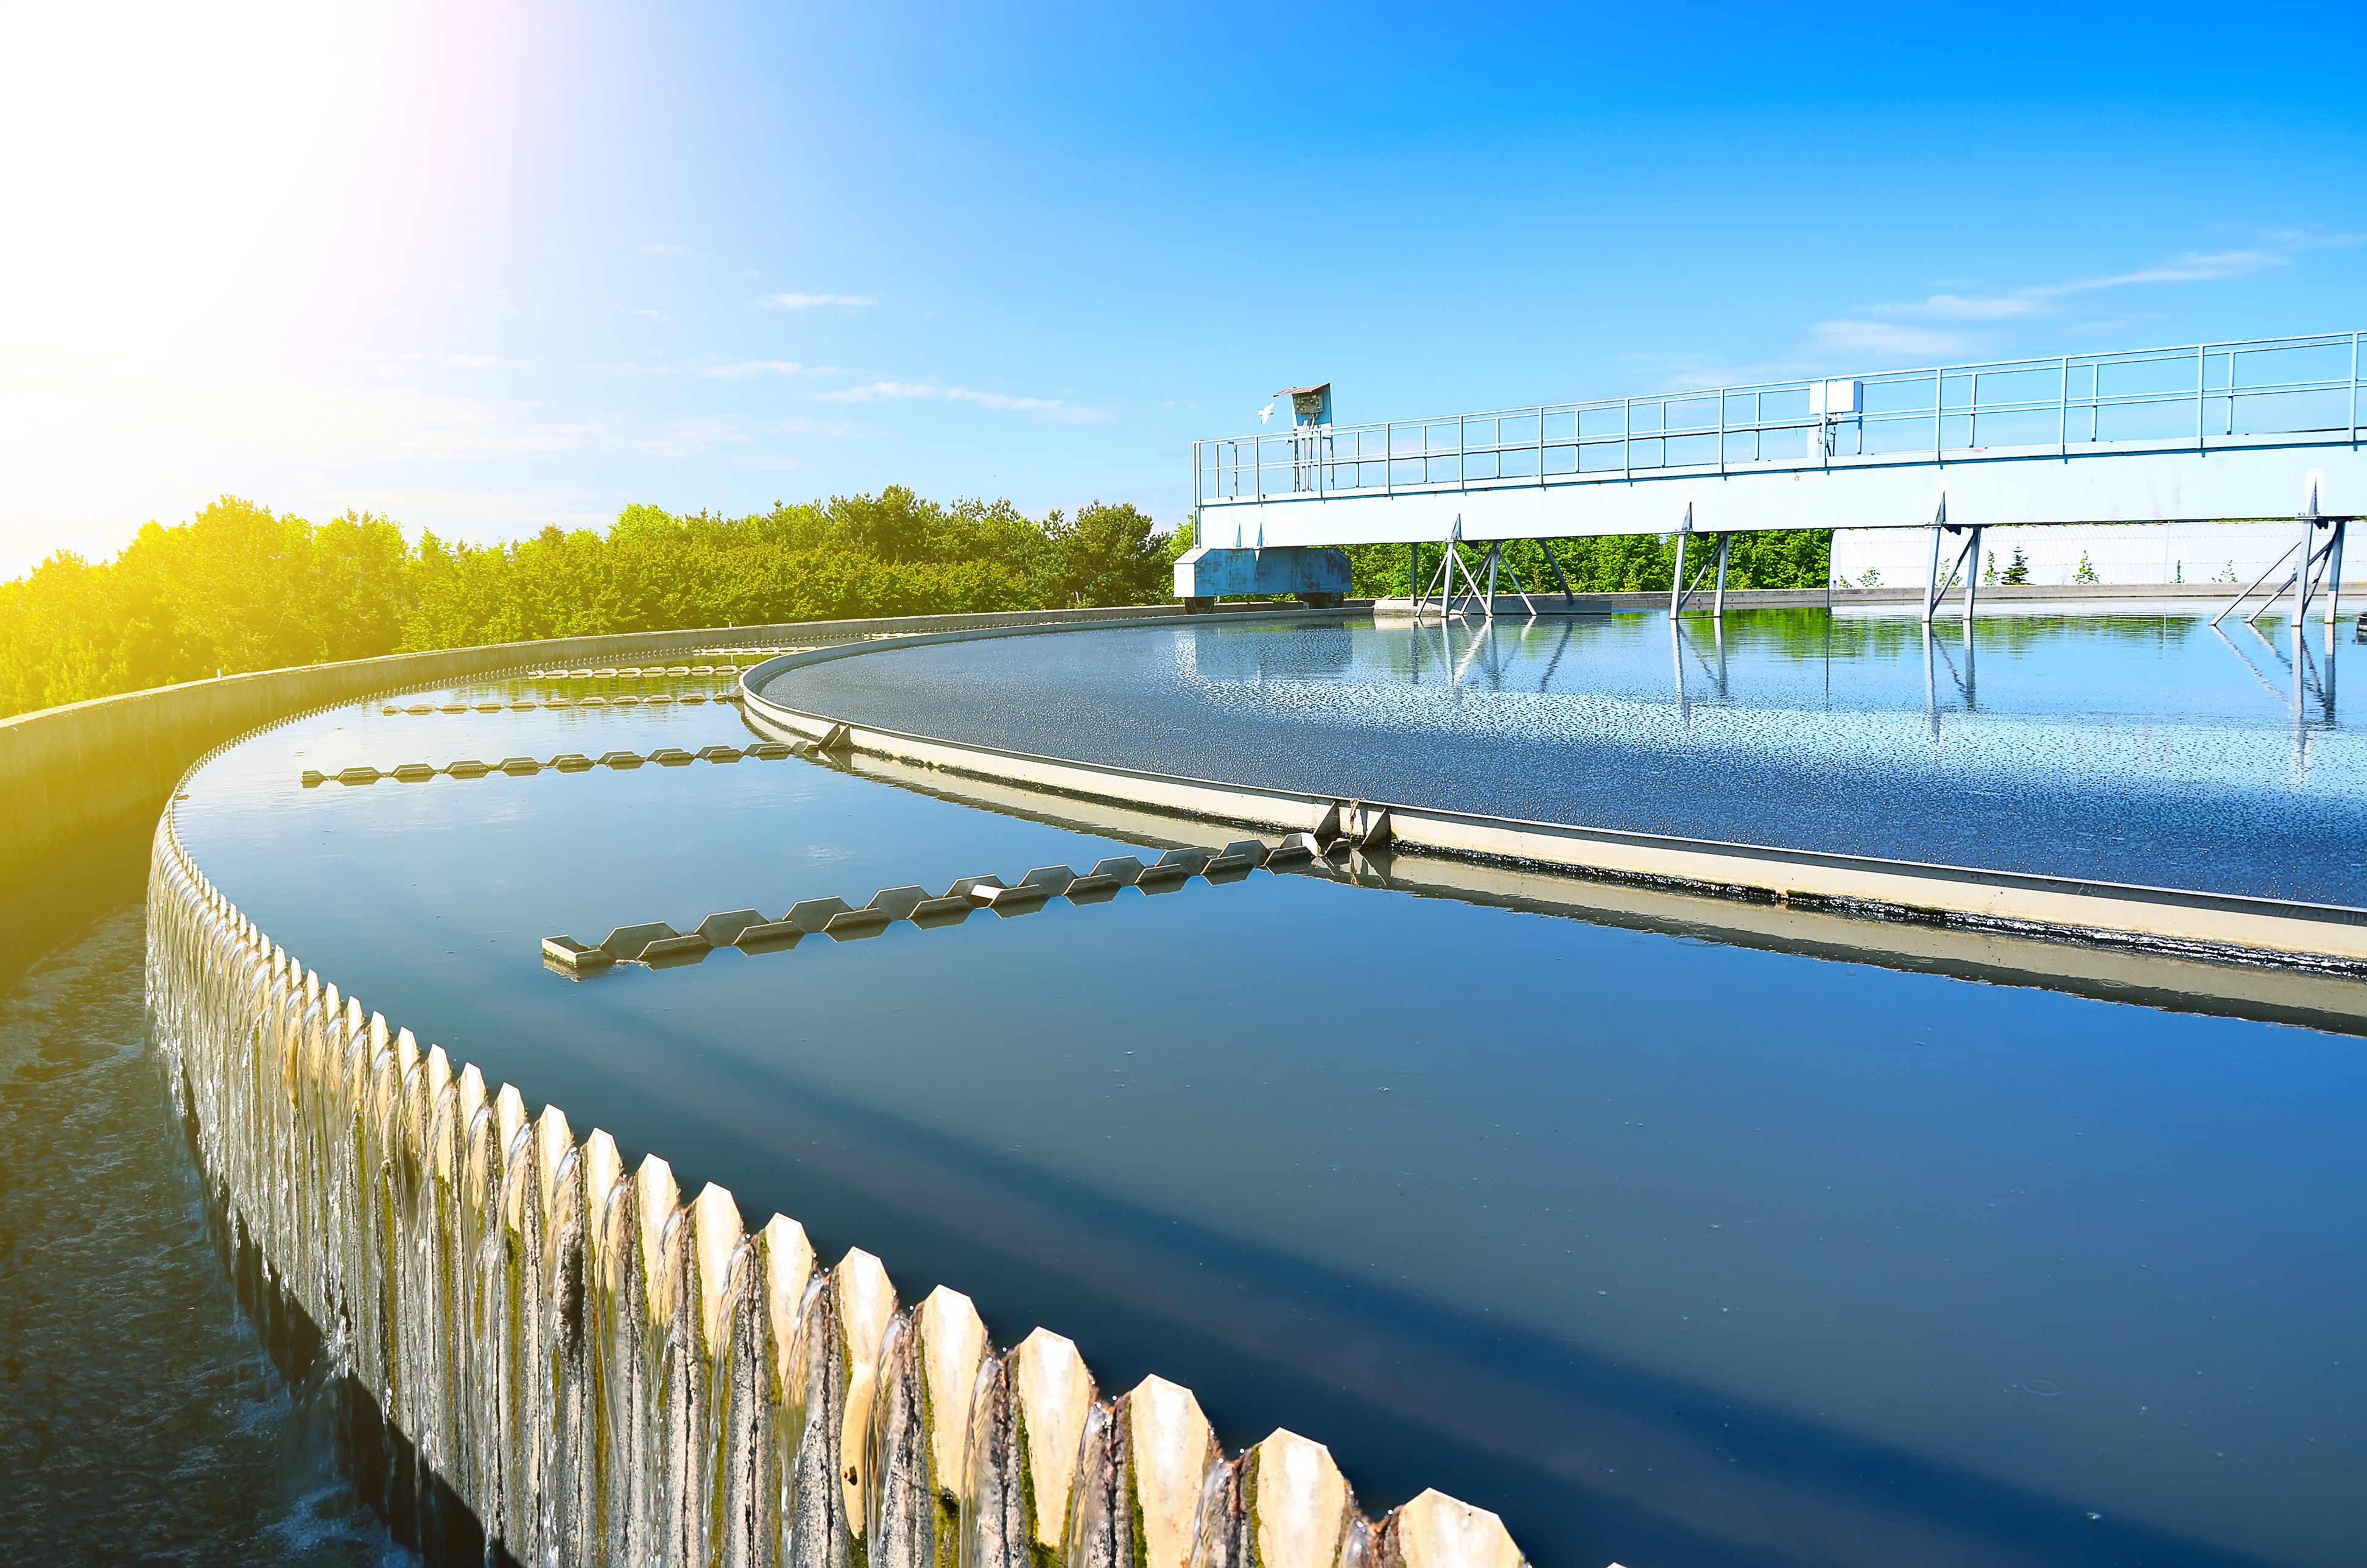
(1309, 405)
(1836, 400)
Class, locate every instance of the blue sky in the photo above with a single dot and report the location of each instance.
(485, 268)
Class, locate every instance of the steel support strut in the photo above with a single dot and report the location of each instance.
(1554, 561)
(1677, 577)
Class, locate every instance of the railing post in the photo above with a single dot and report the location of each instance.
(2200, 353)
(1627, 439)
(2063, 413)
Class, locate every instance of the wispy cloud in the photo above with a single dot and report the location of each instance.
(748, 368)
(878, 391)
(687, 437)
(815, 302)
(1889, 338)
(1054, 409)
(2270, 251)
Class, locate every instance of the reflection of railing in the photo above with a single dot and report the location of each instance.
(2180, 398)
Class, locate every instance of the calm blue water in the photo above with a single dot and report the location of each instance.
(1671, 1252)
(2132, 747)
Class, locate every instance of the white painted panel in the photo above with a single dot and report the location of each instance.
(2133, 553)
(2242, 482)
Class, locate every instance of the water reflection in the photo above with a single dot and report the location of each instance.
(2125, 745)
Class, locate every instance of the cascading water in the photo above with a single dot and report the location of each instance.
(568, 1364)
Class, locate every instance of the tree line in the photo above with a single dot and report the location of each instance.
(240, 587)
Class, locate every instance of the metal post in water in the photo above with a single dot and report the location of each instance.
(2308, 563)
(1718, 605)
(1931, 584)
(1972, 584)
(1677, 578)
(2334, 573)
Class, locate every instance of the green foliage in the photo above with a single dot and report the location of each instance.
(1610, 564)
(239, 588)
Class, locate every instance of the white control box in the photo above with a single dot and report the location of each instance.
(1833, 399)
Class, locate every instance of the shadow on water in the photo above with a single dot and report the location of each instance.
(141, 1420)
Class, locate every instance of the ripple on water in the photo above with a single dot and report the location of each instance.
(139, 1419)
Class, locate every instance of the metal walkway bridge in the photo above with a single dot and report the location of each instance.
(2264, 427)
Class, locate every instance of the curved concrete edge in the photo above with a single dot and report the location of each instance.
(68, 771)
(2222, 927)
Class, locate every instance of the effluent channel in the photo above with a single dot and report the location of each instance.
(1667, 1238)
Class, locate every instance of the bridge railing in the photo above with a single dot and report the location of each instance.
(2144, 399)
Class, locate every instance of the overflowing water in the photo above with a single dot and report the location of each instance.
(1665, 1250)
(141, 1419)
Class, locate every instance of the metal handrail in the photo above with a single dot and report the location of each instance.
(1952, 404)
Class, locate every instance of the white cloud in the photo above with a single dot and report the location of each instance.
(752, 367)
(687, 437)
(878, 390)
(1887, 338)
(2192, 266)
(812, 302)
(1055, 409)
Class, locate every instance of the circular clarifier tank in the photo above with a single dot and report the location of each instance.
(1669, 1246)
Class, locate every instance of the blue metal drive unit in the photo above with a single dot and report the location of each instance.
(1318, 574)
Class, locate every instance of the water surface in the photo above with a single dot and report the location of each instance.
(1671, 1252)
